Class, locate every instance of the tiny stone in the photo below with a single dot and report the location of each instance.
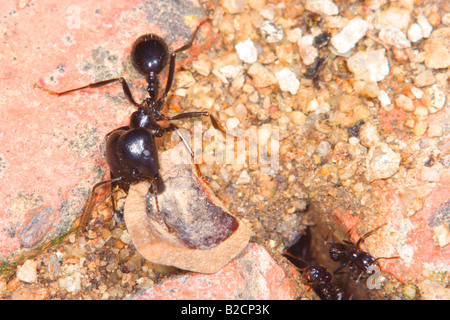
(312, 105)
(434, 99)
(384, 98)
(287, 80)
(397, 17)
(425, 79)
(184, 79)
(382, 162)
(435, 131)
(350, 35)
(441, 235)
(261, 76)
(232, 123)
(446, 19)
(437, 49)
(231, 71)
(298, 118)
(403, 102)
(294, 34)
(420, 127)
(368, 135)
(246, 51)
(370, 66)
(27, 272)
(202, 65)
(417, 92)
(323, 149)
(244, 178)
(271, 33)
(415, 33)
(394, 37)
(307, 51)
(233, 6)
(326, 7)
(421, 111)
(434, 19)
(425, 25)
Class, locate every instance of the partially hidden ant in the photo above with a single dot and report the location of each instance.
(319, 279)
(352, 256)
(131, 151)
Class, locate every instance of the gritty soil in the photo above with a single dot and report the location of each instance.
(327, 123)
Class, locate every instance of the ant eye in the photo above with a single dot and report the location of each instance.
(146, 153)
(150, 53)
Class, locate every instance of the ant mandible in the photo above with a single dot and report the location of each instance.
(353, 256)
(131, 151)
(319, 278)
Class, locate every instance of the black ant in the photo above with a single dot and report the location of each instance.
(320, 279)
(353, 256)
(131, 151)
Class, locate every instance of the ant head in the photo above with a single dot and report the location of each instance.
(149, 53)
(364, 260)
(337, 251)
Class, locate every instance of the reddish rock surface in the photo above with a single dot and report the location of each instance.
(253, 275)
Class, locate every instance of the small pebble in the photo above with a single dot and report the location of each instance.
(298, 118)
(202, 65)
(434, 98)
(384, 98)
(184, 79)
(446, 19)
(437, 49)
(246, 51)
(326, 7)
(271, 32)
(27, 272)
(415, 33)
(368, 135)
(244, 178)
(397, 17)
(294, 34)
(232, 123)
(350, 35)
(287, 80)
(425, 79)
(424, 25)
(441, 235)
(307, 51)
(404, 103)
(420, 127)
(261, 76)
(370, 66)
(394, 37)
(233, 6)
(382, 162)
(417, 92)
(435, 131)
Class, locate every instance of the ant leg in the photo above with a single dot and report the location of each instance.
(173, 56)
(194, 35)
(173, 127)
(366, 235)
(126, 128)
(121, 80)
(189, 115)
(340, 268)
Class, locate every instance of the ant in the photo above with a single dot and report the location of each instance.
(319, 278)
(353, 256)
(131, 151)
